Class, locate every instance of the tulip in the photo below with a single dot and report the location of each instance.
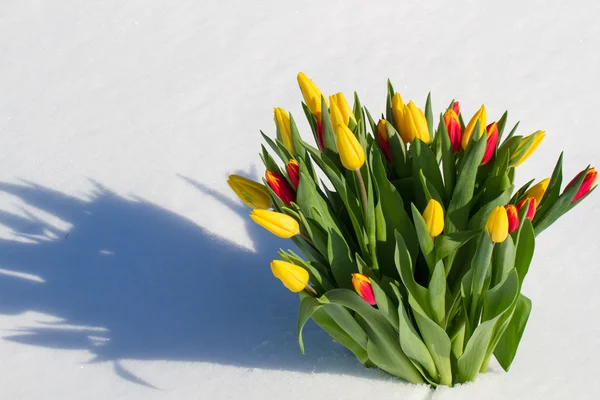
(538, 190)
(590, 178)
(340, 111)
(253, 194)
(531, 209)
(282, 122)
(278, 224)
(456, 108)
(293, 170)
(398, 110)
(281, 187)
(497, 224)
(362, 285)
(312, 97)
(513, 217)
(453, 127)
(415, 124)
(434, 218)
(480, 116)
(351, 153)
(383, 140)
(526, 147)
(492, 141)
(294, 278)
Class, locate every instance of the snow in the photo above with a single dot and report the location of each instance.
(129, 270)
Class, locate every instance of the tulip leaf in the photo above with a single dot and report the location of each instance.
(296, 141)
(404, 266)
(480, 267)
(521, 192)
(503, 260)
(552, 192)
(561, 206)
(448, 159)
(385, 304)
(479, 220)
(383, 347)
(436, 340)
(429, 115)
(270, 164)
(400, 159)
(437, 293)
(372, 122)
(511, 133)
(390, 199)
(328, 132)
(498, 301)
(318, 273)
(359, 113)
(423, 159)
(450, 242)
(525, 248)
(458, 210)
(502, 125)
(412, 345)
(506, 349)
(340, 259)
(425, 239)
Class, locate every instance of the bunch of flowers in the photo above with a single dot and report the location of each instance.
(415, 242)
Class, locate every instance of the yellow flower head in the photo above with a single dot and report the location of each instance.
(349, 148)
(497, 224)
(434, 217)
(294, 278)
(253, 194)
(312, 94)
(278, 224)
(282, 121)
(480, 116)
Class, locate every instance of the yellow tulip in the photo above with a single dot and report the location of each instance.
(538, 190)
(253, 194)
(349, 148)
(480, 116)
(434, 217)
(497, 224)
(415, 123)
(282, 121)
(312, 94)
(294, 278)
(278, 224)
(526, 148)
(341, 113)
(398, 110)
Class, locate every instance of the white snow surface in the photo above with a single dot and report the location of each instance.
(129, 270)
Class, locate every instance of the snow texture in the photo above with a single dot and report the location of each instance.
(129, 270)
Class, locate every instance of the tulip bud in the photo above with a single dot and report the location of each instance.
(480, 116)
(351, 153)
(538, 190)
(340, 111)
(453, 127)
(415, 123)
(513, 217)
(531, 209)
(383, 140)
(586, 185)
(526, 147)
(311, 93)
(294, 278)
(278, 224)
(497, 224)
(398, 110)
(434, 218)
(362, 285)
(293, 170)
(492, 141)
(456, 108)
(281, 187)
(282, 122)
(253, 194)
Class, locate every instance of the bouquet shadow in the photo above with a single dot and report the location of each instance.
(158, 286)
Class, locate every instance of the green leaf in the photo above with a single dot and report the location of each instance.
(436, 340)
(340, 259)
(404, 266)
(398, 149)
(412, 345)
(448, 158)
(429, 115)
(480, 218)
(507, 346)
(498, 301)
(502, 125)
(437, 294)
(384, 304)
(383, 348)
(424, 160)
(503, 260)
(525, 248)
(480, 266)
(425, 239)
(450, 242)
(308, 305)
(511, 133)
(552, 193)
(328, 135)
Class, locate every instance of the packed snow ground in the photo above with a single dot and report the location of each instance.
(128, 270)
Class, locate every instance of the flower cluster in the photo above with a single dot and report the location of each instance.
(416, 247)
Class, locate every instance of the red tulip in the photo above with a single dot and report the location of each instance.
(383, 140)
(492, 141)
(362, 285)
(293, 170)
(590, 178)
(453, 127)
(531, 209)
(513, 217)
(281, 187)
(456, 108)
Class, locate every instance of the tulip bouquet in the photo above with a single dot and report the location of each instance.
(415, 241)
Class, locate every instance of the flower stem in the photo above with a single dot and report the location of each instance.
(363, 191)
(310, 290)
(305, 237)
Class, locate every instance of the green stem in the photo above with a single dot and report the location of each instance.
(363, 192)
